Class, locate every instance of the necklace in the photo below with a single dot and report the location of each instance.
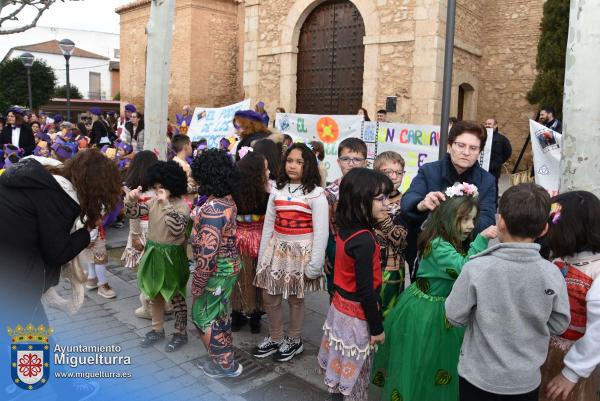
(292, 192)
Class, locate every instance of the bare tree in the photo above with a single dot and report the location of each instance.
(14, 10)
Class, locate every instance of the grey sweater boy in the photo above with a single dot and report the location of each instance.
(511, 301)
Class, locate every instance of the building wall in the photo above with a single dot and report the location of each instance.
(79, 71)
(205, 54)
(507, 70)
(227, 49)
(115, 79)
(101, 43)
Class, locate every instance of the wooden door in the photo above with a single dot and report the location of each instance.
(331, 60)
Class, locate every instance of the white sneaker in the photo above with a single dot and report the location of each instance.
(105, 291)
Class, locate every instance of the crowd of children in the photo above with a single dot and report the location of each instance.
(476, 323)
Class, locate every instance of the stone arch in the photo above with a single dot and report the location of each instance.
(290, 35)
(466, 86)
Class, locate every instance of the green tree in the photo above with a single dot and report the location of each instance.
(548, 87)
(61, 91)
(13, 81)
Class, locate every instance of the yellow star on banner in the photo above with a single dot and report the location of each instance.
(30, 347)
(14, 347)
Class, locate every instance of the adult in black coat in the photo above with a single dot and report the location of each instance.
(501, 150)
(39, 208)
(16, 130)
(101, 133)
(465, 143)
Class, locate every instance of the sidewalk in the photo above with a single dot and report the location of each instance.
(158, 375)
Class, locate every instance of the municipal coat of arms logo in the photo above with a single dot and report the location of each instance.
(30, 355)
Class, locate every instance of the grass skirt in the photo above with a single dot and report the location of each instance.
(248, 237)
(246, 297)
(587, 389)
(163, 269)
(419, 358)
(131, 257)
(281, 270)
(213, 304)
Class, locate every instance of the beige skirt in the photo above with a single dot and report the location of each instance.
(587, 389)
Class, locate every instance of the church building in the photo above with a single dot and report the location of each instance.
(335, 56)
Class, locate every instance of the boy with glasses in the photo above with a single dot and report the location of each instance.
(390, 234)
(352, 153)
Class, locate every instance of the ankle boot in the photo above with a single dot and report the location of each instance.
(255, 322)
(238, 320)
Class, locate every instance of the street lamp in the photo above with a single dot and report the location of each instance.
(27, 60)
(66, 47)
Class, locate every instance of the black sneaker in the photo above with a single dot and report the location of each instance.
(266, 347)
(151, 338)
(288, 349)
(177, 341)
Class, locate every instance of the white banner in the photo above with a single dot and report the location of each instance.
(330, 130)
(215, 123)
(417, 144)
(486, 155)
(546, 145)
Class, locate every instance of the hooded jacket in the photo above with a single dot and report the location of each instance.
(38, 212)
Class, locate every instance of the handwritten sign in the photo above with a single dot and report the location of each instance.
(331, 130)
(417, 144)
(215, 123)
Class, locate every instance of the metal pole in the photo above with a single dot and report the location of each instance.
(29, 89)
(68, 91)
(447, 91)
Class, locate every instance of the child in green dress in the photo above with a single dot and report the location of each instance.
(420, 362)
(163, 271)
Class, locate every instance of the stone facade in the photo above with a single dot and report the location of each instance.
(227, 49)
(206, 54)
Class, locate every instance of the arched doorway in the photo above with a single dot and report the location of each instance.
(465, 101)
(331, 60)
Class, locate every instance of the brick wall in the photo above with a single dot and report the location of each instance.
(205, 64)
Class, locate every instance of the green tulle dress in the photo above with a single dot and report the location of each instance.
(163, 270)
(418, 361)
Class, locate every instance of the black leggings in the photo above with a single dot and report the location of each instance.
(469, 392)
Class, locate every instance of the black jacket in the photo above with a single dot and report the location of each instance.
(248, 140)
(37, 216)
(554, 125)
(100, 130)
(26, 140)
(501, 152)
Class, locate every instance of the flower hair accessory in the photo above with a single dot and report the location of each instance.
(464, 189)
(555, 210)
(244, 151)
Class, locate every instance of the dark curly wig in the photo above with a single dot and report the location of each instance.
(97, 181)
(215, 173)
(251, 195)
(170, 175)
(311, 178)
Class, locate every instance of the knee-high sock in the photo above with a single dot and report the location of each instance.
(92, 271)
(101, 273)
